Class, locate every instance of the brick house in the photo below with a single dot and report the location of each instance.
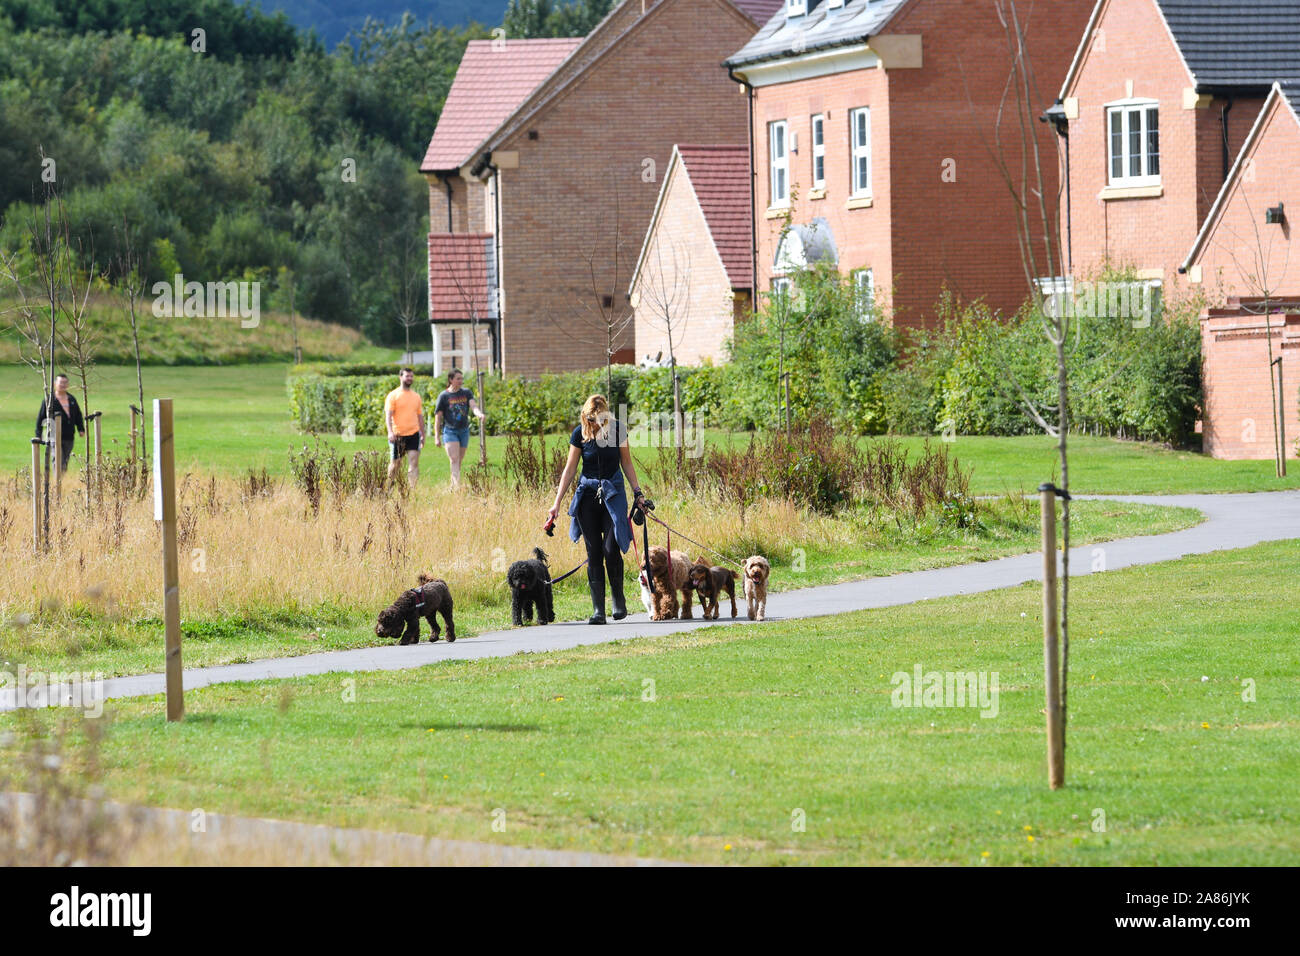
(694, 276)
(564, 180)
(1158, 100)
(1245, 249)
(872, 125)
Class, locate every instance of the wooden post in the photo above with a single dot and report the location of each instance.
(678, 423)
(99, 453)
(37, 445)
(482, 426)
(56, 442)
(164, 510)
(1281, 421)
(134, 432)
(785, 377)
(1051, 648)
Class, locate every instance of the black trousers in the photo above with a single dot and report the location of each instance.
(603, 555)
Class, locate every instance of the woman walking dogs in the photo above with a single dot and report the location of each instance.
(599, 507)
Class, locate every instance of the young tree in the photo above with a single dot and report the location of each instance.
(666, 305)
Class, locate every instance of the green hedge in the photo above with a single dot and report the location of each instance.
(322, 396)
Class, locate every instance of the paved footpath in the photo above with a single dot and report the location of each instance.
(1232, 521)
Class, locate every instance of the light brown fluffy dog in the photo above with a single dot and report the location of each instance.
(670, 577)
(757, 571)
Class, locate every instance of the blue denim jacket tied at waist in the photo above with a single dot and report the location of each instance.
(615, 501)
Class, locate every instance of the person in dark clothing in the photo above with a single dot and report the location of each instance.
(66, 407)
(599, 507)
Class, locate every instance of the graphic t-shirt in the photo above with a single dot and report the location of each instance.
(405, 405)
(454, 407)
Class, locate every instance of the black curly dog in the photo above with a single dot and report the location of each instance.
(402, 618)
(530, 583)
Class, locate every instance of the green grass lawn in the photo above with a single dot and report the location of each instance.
(232, 418)
(713, 746)
(114, 645)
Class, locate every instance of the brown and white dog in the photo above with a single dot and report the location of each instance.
(671, 575)
(710, 583)
(757, 571)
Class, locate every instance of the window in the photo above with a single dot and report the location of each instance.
(780, 163)
(796, 8)
(1133, 144)
(864, 293)
(860, 138)
(819, 151)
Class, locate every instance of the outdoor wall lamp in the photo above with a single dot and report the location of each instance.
(1274, 215)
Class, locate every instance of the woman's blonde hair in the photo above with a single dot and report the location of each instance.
(595, 416)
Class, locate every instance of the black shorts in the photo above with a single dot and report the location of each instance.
(404, 444)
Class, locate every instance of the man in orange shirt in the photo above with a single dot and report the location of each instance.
(404, 418)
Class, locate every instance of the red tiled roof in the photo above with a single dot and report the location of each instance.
(760, 11)
(720, 177)
(459, 276)
(493, 79)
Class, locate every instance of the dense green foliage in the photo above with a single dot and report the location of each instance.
(548, 18)
(971, 375)
(260, 154)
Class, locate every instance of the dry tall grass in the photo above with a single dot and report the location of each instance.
(249, 550)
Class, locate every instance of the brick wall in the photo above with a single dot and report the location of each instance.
(585, 179)
(468, 212)
(1134, 55)
(1238, 420)
(922, 233)
(682, 285)
(862, 235)
(963, 235)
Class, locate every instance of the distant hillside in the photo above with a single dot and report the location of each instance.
(332, 19)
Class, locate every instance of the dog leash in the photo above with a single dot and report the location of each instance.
(568, 573)
(672, 531)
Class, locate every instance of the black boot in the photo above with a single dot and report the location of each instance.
(616, 591)
(597, 600)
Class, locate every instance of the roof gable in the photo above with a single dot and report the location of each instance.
(718, 177)
(493, 79)
(1283, 101)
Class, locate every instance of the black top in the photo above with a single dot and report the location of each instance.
(71, 418)
(600, 458)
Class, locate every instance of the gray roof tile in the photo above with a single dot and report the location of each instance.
(820, 28)
(1229, 43)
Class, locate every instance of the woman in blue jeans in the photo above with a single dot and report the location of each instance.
(451, 420)
(599, 507)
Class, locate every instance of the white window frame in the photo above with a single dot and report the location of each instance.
(864, 293)
(1130, 112)
(817, 133)
(796, 8)
(778, 166)
(859, 150)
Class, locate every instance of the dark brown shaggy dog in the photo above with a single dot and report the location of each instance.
(710, 583)
(671, 575)
(402, 617)
(757, 571)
